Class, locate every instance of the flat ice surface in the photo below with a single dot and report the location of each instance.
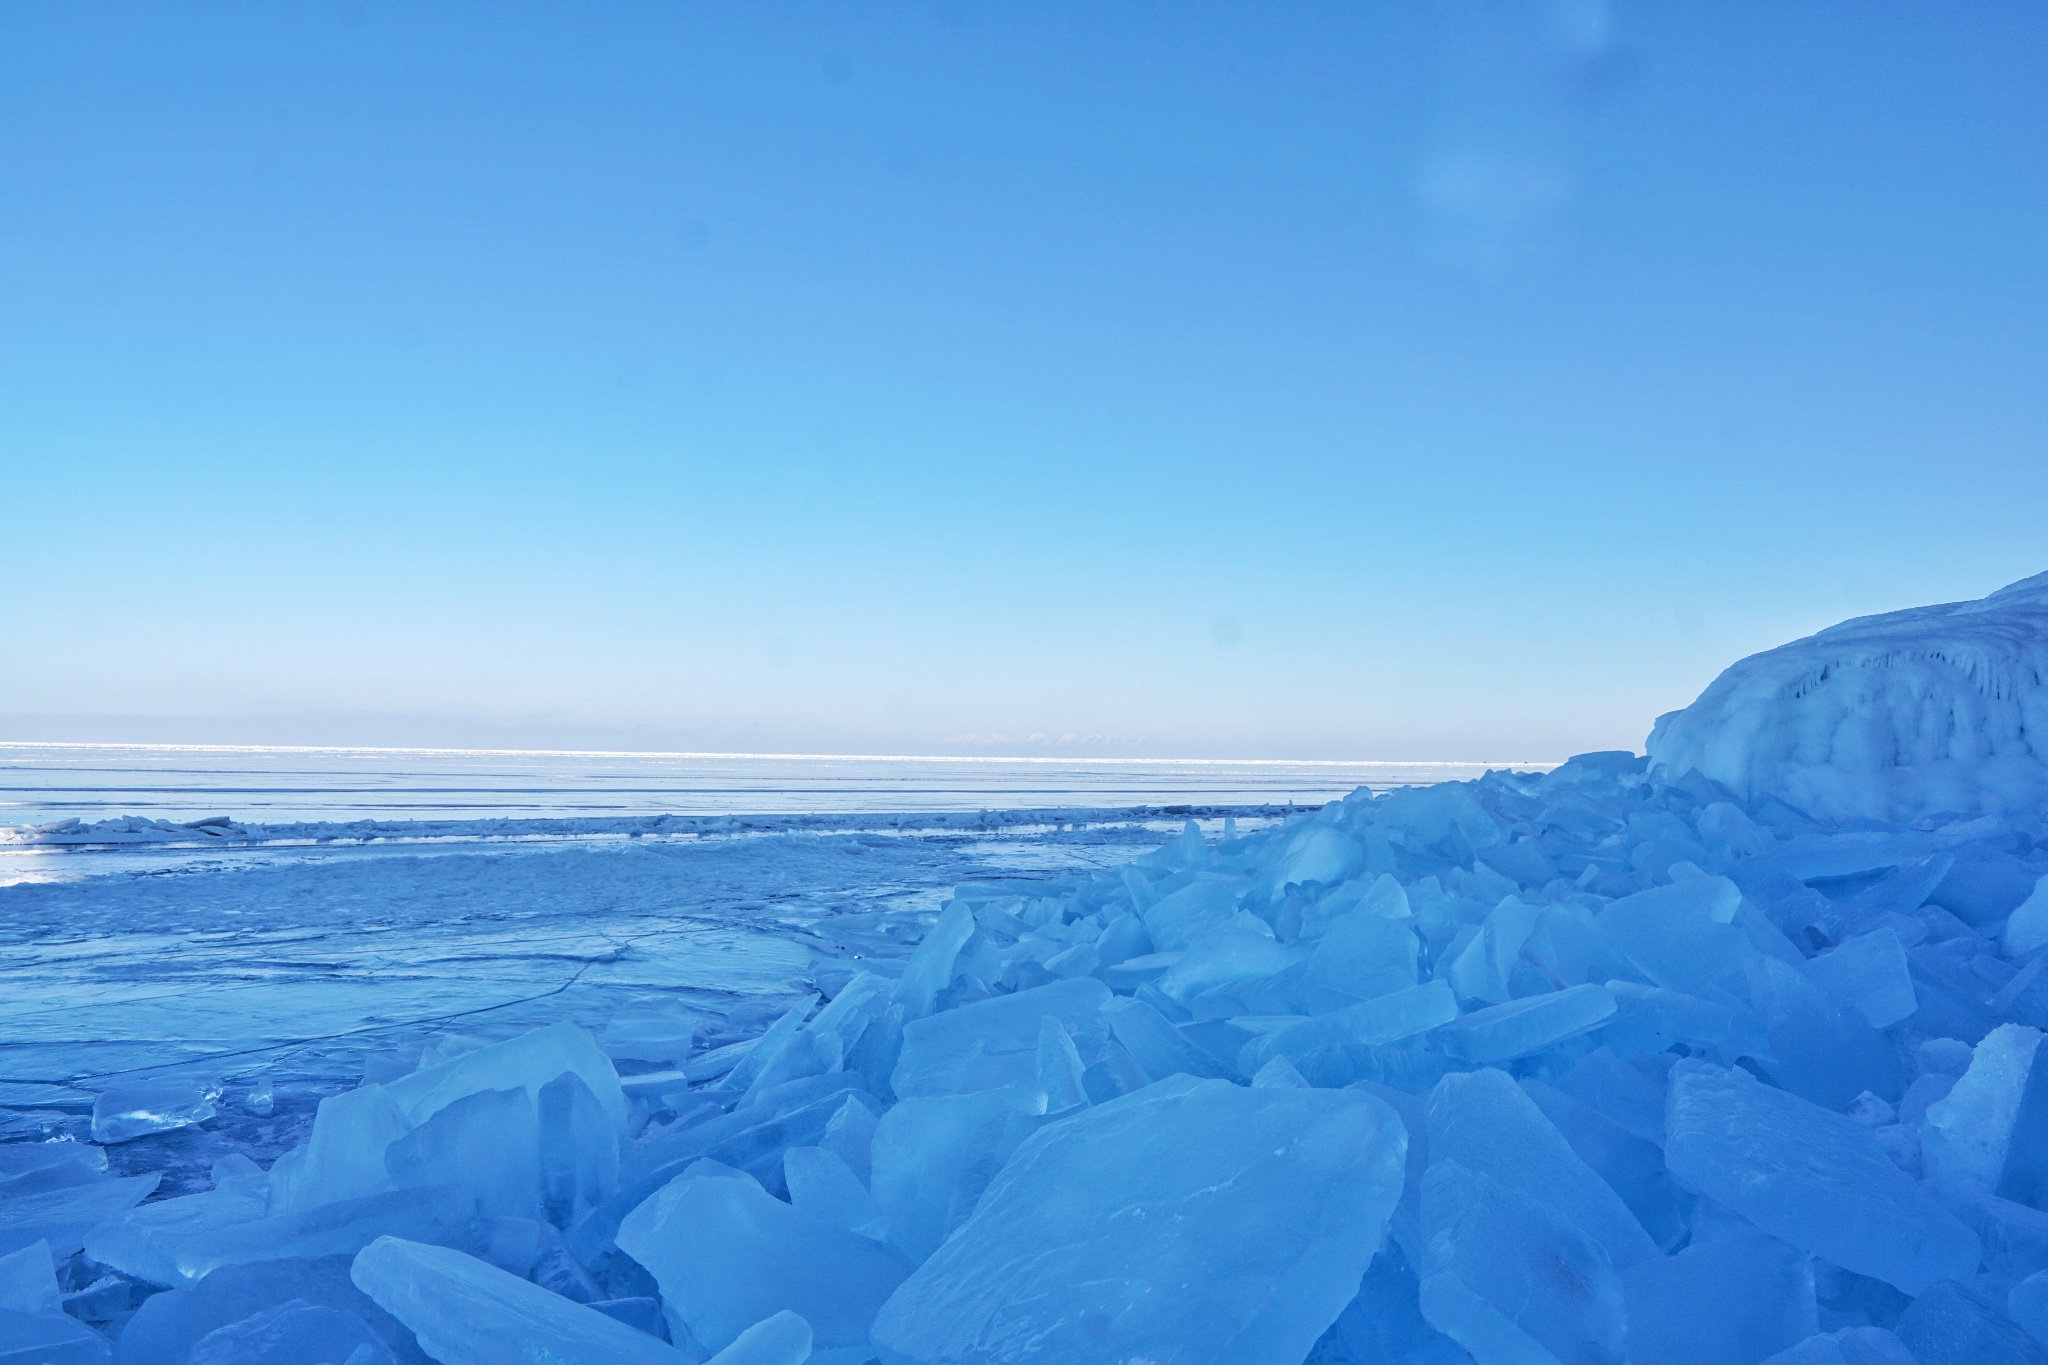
(46, 782)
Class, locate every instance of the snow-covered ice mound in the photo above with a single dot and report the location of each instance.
(1938, 709)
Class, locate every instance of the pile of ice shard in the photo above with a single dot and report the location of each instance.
(1601, 1065)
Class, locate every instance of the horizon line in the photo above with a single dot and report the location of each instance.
(848, 758)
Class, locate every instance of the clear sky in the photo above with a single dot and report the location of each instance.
(1178, 379)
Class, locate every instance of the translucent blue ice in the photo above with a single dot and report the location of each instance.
(1233, 1224)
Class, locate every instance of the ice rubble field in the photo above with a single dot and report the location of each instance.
(1618, 1063)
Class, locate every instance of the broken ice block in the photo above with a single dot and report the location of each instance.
(131, 1111)
(1311, 852)
(1869, 974)
(2024, 1177)
(2027, 1305)
(1510, 1281)
(2026, 932)
(439, 1214)
(995, 1042)
(1191, 1221)
(143, 1242)
(529, 1061)
(1729, 1301)
(62, 1217)
(1812, 1178)
(1820, 1049)
(465, 1312)
(49, 1339)
(1632, 1165)
(1223, 955)
(930, 968)
(769, 1047)
(1483, 1121)
(1156, 1046)
(579, 1150)
(823, 1186)
(344, 1156)
(28, 1280)
(1482, 970)
(1967, 1132)
(1850, 1346)
(1178, 919)
(784, 1339)
(935, 1154)
(1955, 1324)
(1365, 954)
(487, 1143)
(1681, 935)
(1523, 1027)
(166, 1326)
(850, 1135)
(727, 1255)
(1387, 1019)
(292, 1333)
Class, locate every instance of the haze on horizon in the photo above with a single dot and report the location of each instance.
(1393, 382)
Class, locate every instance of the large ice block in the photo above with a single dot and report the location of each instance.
(63, 1216)
(1955, 1324)
(166, 1326)
(1681, 935)
(1815, 1179)
(1483, 1121)
(1512, 1282)
(1365, 954)
(1155, 1045)
(1730, 1301)
(529, 1061)
(579, 1150)
(48, 1339)
(784, 1339)
(126, 1112)
(1390, 1018)
(825, 1187)
(1869, 973)
(935, 1154)
(2026, 929)
(1190, 1221)
(1967, 1133)
(995, 1042)
(466, 1312)
(344, 1156)
(1180, 917)
(487, 1143)
(28, 1280)
(727, 1254)
(1820, 1049)
(291, 1333)
(1220, 956)
(1850, 1346)
(1521, 1028)
(439, 1214)
(930, 968)
(1483, 969)
(143, 1242)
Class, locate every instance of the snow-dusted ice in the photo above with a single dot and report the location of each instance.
(1931, 710)
(1727, 1055)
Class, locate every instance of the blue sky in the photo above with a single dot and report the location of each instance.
(1373, 381)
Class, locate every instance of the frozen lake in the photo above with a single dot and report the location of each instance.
(46, 782)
